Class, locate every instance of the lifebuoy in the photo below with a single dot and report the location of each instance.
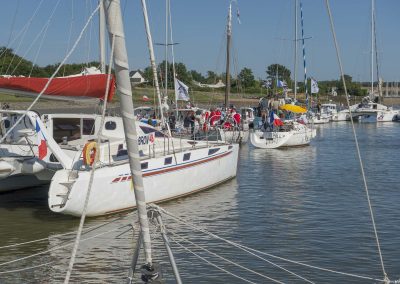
(89, 153)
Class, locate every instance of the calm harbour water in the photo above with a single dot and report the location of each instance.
(306, 204)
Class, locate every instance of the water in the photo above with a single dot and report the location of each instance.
(307, 204)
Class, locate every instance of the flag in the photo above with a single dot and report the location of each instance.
(181, 91)
(281, 84)
(314, 86)
(41, 141)
(267, 84)
(145, 98)
(274, 119)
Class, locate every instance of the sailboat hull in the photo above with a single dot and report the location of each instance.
(112, 189)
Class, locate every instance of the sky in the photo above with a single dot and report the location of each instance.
(265, 35)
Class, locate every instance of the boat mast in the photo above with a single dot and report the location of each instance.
(304, 55)
(228, 47)
(372, 48)
(102, 30)
(173, 57)
(152, 57)
(295, 50)
(376, 55)
(116, 34)
(166, 51)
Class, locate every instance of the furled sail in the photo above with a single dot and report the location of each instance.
(71, 87)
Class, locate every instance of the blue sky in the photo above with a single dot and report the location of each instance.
(262, 38)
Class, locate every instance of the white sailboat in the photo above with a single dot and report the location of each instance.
(171, 167)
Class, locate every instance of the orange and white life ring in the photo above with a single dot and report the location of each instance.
(89, 153)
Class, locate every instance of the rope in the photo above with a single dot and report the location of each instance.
(26, 268)
(83, 216)
(209, 262)
(59, 247)
(51, 78)
(24, 30)
(227, 260)
(88, 230)
(42, 31)
(355, 139)
(180, 220)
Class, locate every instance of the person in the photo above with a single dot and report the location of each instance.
(236, 117)
(172, 120)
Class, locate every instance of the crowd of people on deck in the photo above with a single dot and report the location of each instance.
(204, 120)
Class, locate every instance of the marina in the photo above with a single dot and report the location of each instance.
(296, 215)
(114, 175)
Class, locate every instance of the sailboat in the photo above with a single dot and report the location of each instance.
(238, 133)
(371, 108)
(276, 133)
(171, 167)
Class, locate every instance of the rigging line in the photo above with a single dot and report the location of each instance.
(90, 36)
(60, 247)
(70, 29)
(88, 230)
(212, 264)
(187, 223)
(227, 260)
(51, 78)
(96, 159)
(24, 29)
(355, 138)
(11, 33)
(42, 31)
(26, 268)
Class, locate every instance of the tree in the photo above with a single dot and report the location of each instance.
(212, 77)
(246, 78)
(280, 72)
(198, 77)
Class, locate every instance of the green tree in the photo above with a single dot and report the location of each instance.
(246, 78)
(198, 77)
(280, 72)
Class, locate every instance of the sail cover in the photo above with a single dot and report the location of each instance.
(71, 87)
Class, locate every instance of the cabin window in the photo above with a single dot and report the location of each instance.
(168, 161)
(213, 151)
(148, 130)
(88, 126)
(186, 156)
(7, 123)
(66, 127)
(110, 125)
(144, 165)
(53, 158)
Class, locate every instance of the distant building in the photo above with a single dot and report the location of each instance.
(137, 77)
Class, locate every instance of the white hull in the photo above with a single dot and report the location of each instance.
(19, 181)
(235, 136)
(112, 189)
(272, 140)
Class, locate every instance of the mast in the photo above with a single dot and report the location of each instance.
(372, 47)
(116, 33)
(376, 56)
(304, 55)
(173, 57)
(152, 57)
(228, 47)
(295, 50)
(166, 51)
(102, 30)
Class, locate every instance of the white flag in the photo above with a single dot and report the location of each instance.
(181, 91)
(314, 86)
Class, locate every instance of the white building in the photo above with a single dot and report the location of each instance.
(137, 77)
